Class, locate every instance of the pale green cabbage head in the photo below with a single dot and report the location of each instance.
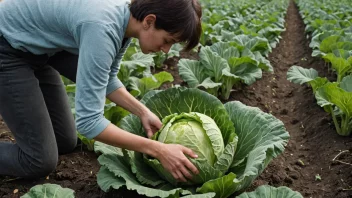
(196, 131)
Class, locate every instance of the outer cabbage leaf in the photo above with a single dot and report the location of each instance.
(225, 160)
(261, 137)
(223, 186)
(115, 170)
(107, 180)
(300, 75)
(49, 191)
(102, 148)
(266, 191)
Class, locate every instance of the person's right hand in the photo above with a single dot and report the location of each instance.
(173, 159)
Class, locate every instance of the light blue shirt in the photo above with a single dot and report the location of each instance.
(92, 29)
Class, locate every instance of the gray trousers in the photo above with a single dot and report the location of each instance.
(35, 107)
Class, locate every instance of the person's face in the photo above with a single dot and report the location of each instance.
(153, 40)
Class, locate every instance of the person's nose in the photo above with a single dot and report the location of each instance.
(166, 48)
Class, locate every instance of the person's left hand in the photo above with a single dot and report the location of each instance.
(151, 123)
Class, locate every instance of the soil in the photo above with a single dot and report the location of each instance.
(309, 154)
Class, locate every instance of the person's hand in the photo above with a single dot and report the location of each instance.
(150, 122)
(173, 159)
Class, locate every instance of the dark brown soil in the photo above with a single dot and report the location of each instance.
(310, 151)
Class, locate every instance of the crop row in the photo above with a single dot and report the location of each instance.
(329, 24)
(237, 38)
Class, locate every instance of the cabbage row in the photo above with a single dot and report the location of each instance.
(237, 38)
(329, 23)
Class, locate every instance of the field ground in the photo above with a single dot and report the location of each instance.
(310, 152)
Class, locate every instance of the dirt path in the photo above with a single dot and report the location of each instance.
(314, 141)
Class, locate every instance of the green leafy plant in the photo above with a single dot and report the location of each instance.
(334, 97)
(341, 62)
(228, 161)
(266, 191)
(222, 66)
(49, 191)
(140, 86)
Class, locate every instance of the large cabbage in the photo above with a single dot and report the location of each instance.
(227, 162)
(201, 134)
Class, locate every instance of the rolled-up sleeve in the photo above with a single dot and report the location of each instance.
(98, 46)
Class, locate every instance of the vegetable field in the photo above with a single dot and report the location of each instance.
(271, 81)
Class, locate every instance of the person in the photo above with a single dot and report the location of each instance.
(83, 40)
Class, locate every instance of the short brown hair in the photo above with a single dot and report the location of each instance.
(181, 18)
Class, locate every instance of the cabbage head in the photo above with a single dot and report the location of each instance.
(234, 143)
(198, 132)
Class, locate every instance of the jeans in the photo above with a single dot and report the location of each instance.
(35, 107)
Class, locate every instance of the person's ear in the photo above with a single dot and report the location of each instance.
(149, 21)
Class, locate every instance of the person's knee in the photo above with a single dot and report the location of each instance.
(42, 167)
